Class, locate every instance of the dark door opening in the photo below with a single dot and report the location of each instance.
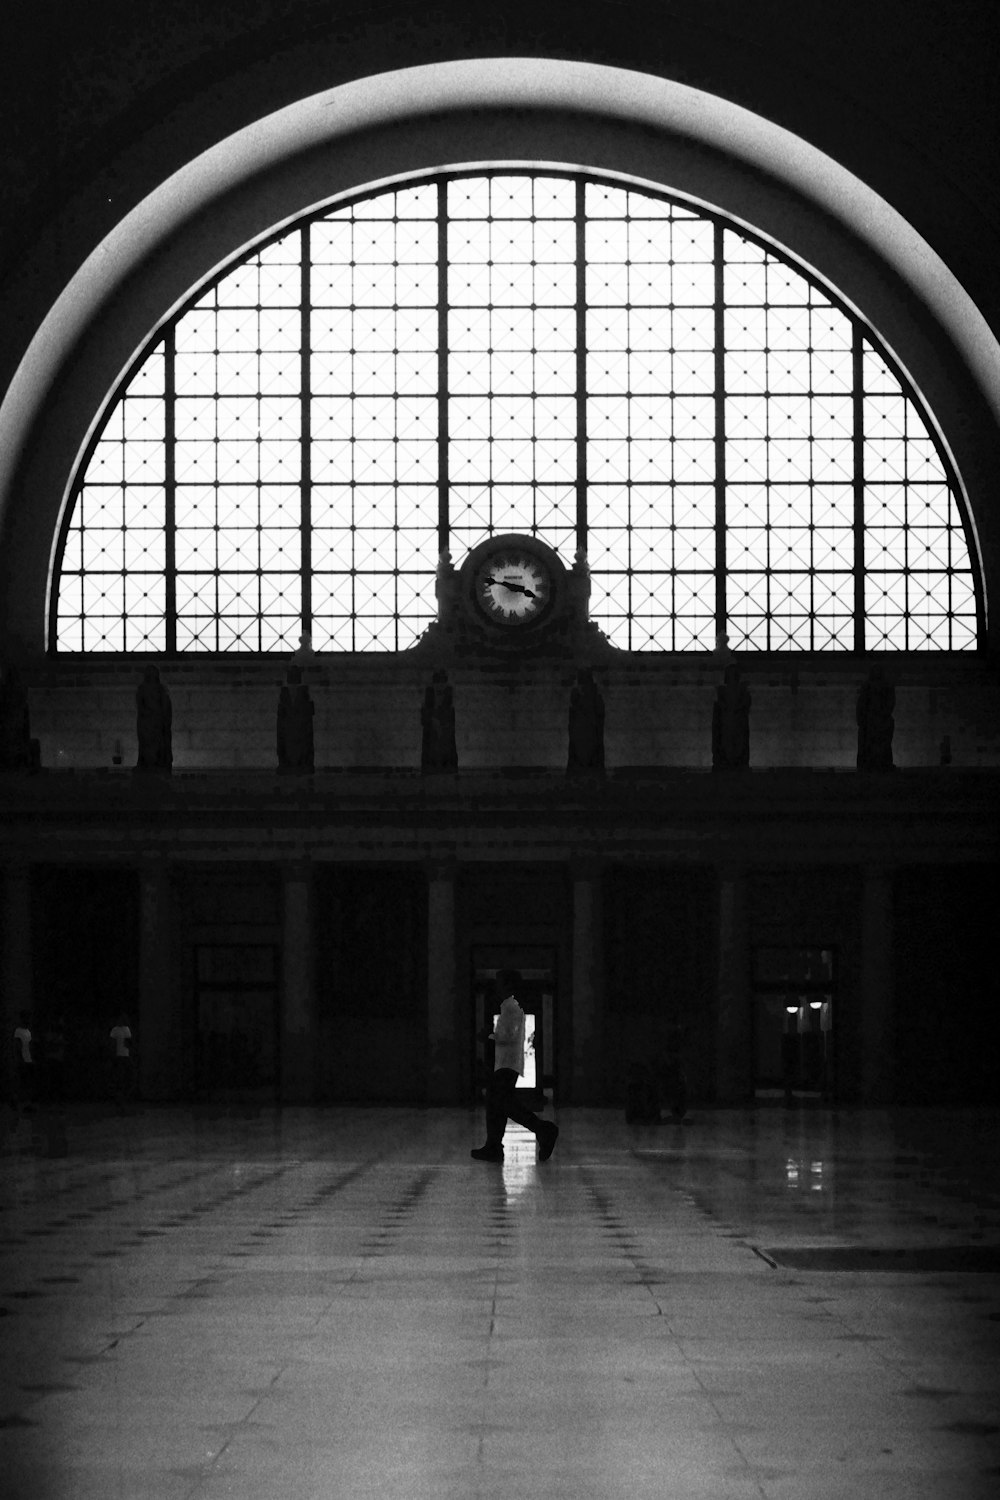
(236, 1008)
(793, 1015)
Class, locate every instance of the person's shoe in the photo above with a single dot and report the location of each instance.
(547, 1140)
(488, 1153)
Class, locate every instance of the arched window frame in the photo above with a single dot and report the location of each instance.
(722, 617)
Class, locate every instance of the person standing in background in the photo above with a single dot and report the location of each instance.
(54, 1060)
(122, 1062)
(24, 1063)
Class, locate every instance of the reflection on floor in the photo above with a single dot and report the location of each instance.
(341, 1303)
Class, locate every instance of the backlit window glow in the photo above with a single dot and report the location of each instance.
(543, 353)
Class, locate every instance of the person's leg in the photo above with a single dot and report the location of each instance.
(499, 1102)
(502, 1104)
(523, 1115)
(499, 1092)
(544, 1131)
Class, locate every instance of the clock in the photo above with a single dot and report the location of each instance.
(513, 582)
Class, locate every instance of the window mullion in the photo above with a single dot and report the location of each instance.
(170, 488)
(305, 440)
(582, 520)
(858, 424)
(720, 430)
(444, 526)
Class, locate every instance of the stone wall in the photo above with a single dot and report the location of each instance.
(368, 713)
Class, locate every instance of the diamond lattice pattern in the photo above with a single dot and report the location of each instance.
(515, 352)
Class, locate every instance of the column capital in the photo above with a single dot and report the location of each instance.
(585, 865)
(441, 867)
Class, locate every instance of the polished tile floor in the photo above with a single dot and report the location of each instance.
(340, 1304)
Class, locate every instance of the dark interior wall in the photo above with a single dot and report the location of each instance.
(514, 903)
(371, 984)
(945, 966)
(85, 955)
(902, 92)
(660, 948)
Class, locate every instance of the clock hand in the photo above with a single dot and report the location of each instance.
(516, 588)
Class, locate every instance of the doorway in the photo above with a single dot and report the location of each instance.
(537, 968)
(793, 1014)
(236, 1008)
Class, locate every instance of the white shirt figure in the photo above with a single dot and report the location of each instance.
(121, 1036)
(22, 1034)
(508, 1036)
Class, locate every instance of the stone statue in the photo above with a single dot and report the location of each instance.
(446, 588)
(295, 725)
(722, 651)
(580, 573)
(304, 653)
(731, 723)
(18, 751)
(586, 725)
(876, 705)
(153, 724)
(438, 751)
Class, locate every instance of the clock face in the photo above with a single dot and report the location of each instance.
(512, 586)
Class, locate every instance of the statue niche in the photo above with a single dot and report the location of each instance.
(876, 723)
(438, 751)
(586, 726)
(154, 724)
(731, 723)
(295, 725)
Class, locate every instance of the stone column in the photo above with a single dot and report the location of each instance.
(734, 1031)
(587, 1083)
(16, 972)
(876, 1028)
(444, 1034)
(158, 1040)
(298, 991)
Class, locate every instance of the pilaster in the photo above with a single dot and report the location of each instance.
(443, 1030)
(877, 1049)
(298, 990)
(157, 1039)
(733, 1036)
(587, 1082)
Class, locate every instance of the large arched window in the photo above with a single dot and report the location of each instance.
(513, 351)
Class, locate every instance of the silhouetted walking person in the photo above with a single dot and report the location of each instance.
(501, 1099)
